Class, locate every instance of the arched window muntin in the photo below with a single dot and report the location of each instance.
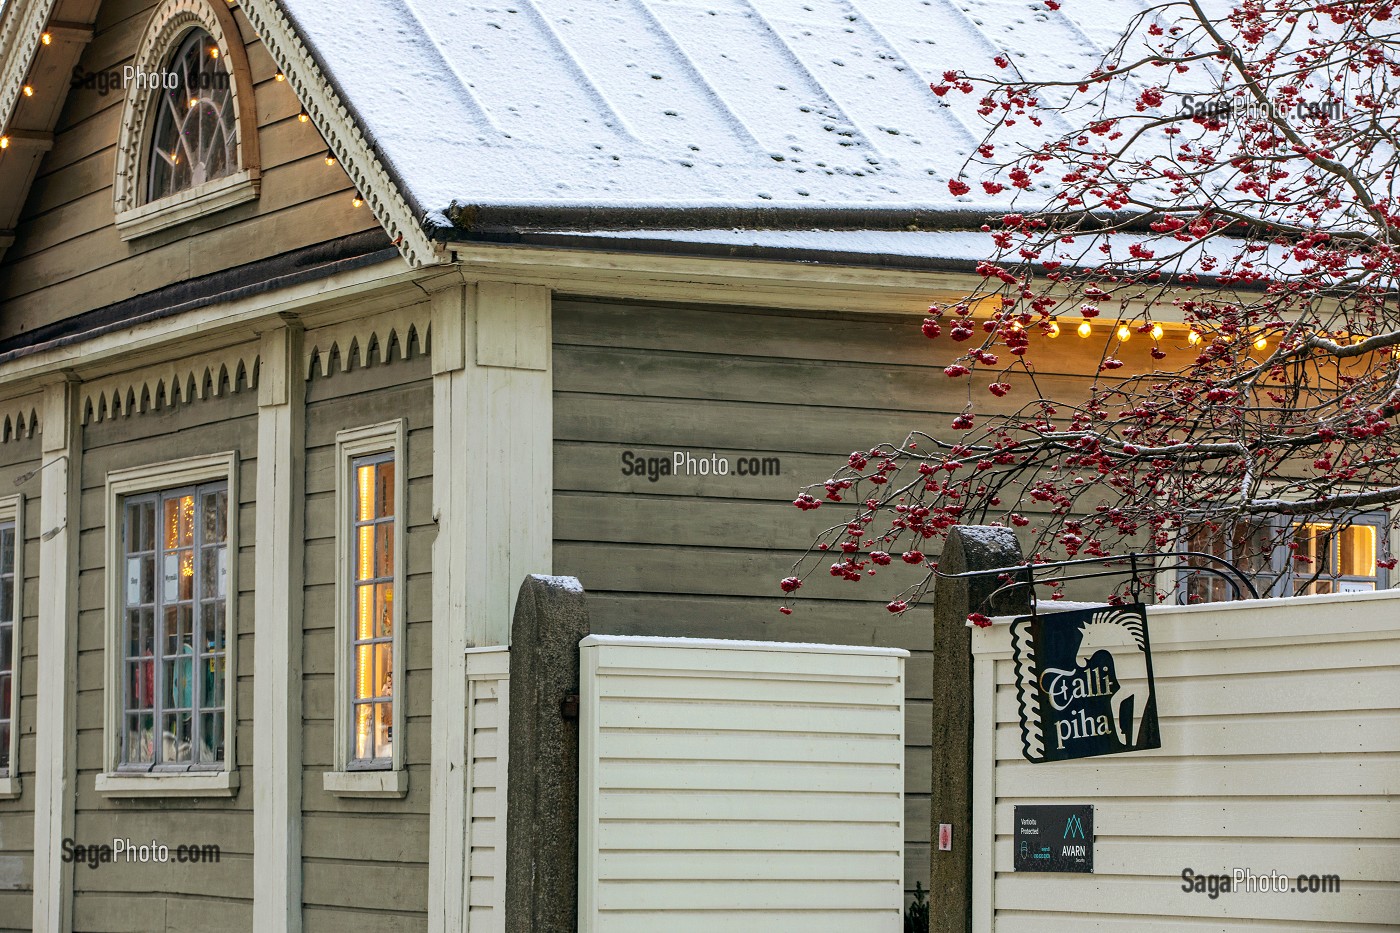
(194, 132)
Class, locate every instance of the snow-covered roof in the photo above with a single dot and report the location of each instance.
(683, 103)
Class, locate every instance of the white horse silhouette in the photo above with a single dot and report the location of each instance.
(1119, 632)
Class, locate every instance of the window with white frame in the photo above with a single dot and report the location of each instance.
(370, 618)
(171, 619)
(1315, 555)
(11, 611)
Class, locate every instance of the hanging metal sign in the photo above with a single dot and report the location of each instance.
(1084, 683)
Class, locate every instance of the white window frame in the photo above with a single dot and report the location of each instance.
(113, 782)
(350, 445)
(12, 511)
(169, 24)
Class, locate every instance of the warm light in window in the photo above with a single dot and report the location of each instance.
(1085, 329)
(1124, 332)
(214, 51)
(194, 101)
(1054, 329)
(1157, 331)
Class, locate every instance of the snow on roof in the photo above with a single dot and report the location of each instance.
(666, 103)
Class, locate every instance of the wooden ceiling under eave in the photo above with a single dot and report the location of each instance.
(46, 68)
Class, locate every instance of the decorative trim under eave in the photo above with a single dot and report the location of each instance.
(349, 344)
(345, 139)
(226, 371)
(19, 418)
(21, 29)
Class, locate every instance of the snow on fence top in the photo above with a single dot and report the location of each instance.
(664, 103)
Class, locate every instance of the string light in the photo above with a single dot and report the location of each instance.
(1054, 329)
(303, 117)
(4, 142)
(280, 76)
(1157, 331)
(28, 90)
(47, 38)
(1085, 329)
(358, 201)
(1261, 342)
(194, 101)
(1124, 332)
(1193, 338)
(214, 51)
(330, 159)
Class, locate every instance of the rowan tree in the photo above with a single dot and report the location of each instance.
(1233, 173)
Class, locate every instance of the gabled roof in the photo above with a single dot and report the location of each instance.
(476, 115)
(676, 106)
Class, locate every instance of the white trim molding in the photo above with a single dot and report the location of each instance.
(337, 126)
(220, 467)
(361, 341)
(493, 408)
(277, 647)
(12, 510)
(351, 444)
(21, 31)
(55, 732)
(169, 24)
(219, 372)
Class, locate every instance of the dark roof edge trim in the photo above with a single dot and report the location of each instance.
(255, 278)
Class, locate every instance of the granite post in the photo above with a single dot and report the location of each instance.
(968, 548)
(542, 803)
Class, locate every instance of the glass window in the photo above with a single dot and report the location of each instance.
(9, 606)
(1306, 557)
(194, 136)
(174, 630)
(372, 612)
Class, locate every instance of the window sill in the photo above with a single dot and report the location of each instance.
(178, 784)
(187, 205)
(365, 783)
(10, 788)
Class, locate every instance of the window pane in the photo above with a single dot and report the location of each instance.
(384, 550)
(215, 517)
(384, 611)
(7, 549)
(1357, 551)
(194, 139)
(364, 484)
(140, 746)
(384, 488)
(176, 738)
(211, 741)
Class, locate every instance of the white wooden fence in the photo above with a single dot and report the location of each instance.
(1280, 726)
(740, 786)
(488, 708)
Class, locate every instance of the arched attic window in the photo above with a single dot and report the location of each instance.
(188, 140)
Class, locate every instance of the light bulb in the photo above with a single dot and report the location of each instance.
(4, 142)
(1054, 329)
(280, 76)
(28, 90)
(214, 52)
(1193, 338)
(1124, 332)
(1156, 331)
(330, 159)
(303, 117)
(1261, 342)
(194, 101)
(358, 201)
(1085, 329)
(47, 38)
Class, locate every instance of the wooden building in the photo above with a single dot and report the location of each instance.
(322, 325)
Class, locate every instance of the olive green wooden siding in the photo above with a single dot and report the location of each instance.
(702, 555)
(366, 860)
(17, 816)
(142, 898)
(68, 258)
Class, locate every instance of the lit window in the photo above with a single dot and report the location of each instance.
(11, 605)
(1315, 556)
(372, 646)
(174, 628)
(195, 136)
